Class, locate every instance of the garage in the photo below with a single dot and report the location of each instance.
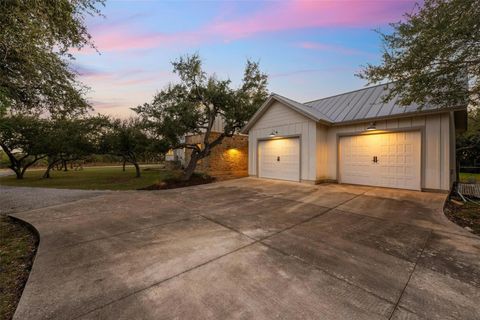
(386, 160)
(279, 159)
(356, 138)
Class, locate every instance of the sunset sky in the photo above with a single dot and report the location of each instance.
(310, 49)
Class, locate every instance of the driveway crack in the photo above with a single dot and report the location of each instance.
(411, 274)
(164, 280)
(254, 241)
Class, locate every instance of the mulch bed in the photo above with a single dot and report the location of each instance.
(18, 244)
(466, 215)
(196, 179)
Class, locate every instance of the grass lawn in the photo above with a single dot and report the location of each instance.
(98, 178)
(17, 248)
(466, 177)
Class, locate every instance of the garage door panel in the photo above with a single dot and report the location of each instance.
(279, 159)
(398, 165)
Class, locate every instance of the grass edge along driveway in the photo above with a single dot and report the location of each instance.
(92, 178)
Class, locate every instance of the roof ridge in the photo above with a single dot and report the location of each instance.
(347, 92)
(306, 106)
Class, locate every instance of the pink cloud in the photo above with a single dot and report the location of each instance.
(124, 77)
(144, 80)
(307, 71)
(274, 17)
(106, 104)
(311, 14)
(330, 47)
(121, 40)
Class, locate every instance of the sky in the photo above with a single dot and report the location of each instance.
(309, 49)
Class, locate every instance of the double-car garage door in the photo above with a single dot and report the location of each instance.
(386, 160)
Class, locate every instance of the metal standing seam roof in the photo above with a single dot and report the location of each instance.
(317, 114)
(363, 104)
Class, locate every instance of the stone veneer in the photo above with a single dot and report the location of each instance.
(229, 159)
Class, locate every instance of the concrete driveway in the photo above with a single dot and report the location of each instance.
(252, 249)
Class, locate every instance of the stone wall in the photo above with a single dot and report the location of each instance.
(229, 159)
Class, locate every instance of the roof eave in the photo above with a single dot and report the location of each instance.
(398, 116)
(265, 106)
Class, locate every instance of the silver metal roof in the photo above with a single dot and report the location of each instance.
(363, 104)
(355, 106)
(303, 108)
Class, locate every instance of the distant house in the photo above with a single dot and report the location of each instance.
(355, 138)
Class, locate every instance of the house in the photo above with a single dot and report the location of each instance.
(226, 160)
(355, 138)
(229, 159)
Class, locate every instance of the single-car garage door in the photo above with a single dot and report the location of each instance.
(279, 159)
(387, 160)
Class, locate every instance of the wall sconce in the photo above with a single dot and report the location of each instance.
(372, 126)
(274, 133)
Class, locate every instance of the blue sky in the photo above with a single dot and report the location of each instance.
(310, 49)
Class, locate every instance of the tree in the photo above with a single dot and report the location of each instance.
(71, 139)
(22, 139)
(433, 56)
(35, 77)
(35, 39)
(191, 107)
(126, 139)
(468, 143)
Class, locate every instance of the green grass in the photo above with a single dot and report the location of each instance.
(93, 178)
(17, 248)
(469, 177)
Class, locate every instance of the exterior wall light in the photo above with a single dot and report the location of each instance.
(372, 126)
(274, 133)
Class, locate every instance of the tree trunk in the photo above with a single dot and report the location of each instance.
(190, 169)
(124, 162)
(65, 168)
(137, 169)
(15, 165)
(18, 172)
(18, 169)
(46, 174)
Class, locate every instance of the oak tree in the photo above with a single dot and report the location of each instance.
(35, 42)
(433, 56)
(192, 106)
(23, 140)
(71, 139)
(126, 139)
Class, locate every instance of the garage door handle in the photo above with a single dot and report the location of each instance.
(278, 158)
(375, 159)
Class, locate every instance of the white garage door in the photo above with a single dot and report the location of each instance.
(388, 160)
(279, 159)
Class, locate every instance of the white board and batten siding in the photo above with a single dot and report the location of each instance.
(437, 170)
(287, 123)
(319, 145)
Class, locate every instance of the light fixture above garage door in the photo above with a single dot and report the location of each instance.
(372, 126)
